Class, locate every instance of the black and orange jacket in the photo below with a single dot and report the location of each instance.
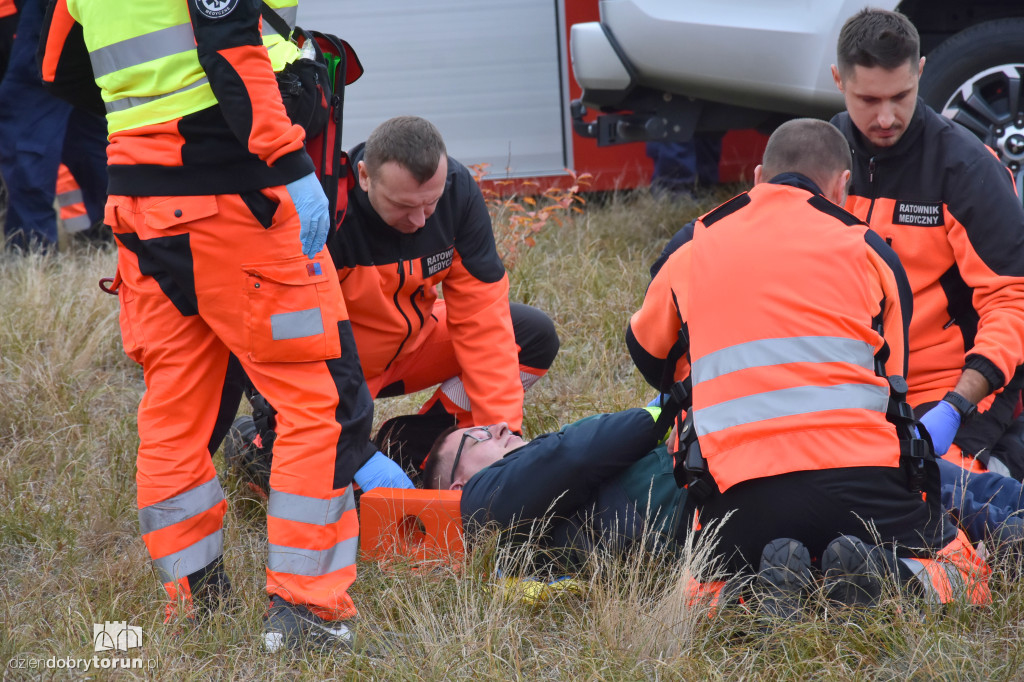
(947, 207)
(390, 282)
(150, 53)
(787, 313)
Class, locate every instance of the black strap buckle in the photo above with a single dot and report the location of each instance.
(915, 452)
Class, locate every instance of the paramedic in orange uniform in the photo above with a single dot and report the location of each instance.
(417, 222)
(220, 225)
(788, 315)
(947, 207)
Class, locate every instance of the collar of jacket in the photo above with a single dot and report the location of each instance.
(909, 139)
(798, 180)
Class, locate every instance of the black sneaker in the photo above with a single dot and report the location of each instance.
(247, 457)
(853, 571)
(294, 626)
(784, 577)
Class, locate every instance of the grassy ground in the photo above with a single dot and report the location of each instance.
(71, 555)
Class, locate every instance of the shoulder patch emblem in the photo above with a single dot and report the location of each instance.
(216, 9)
(922, 214)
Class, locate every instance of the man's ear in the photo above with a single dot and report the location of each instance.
(836, 192)
(456, 485)
(920, 67)
(758, 172)
(364, 176)
(836, 78)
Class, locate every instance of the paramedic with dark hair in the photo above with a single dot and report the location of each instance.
(947, 207)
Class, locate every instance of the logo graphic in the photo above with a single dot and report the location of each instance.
(216, 9)
(313, 270)
(117, 635)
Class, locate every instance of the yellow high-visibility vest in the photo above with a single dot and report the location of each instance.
(145, 61)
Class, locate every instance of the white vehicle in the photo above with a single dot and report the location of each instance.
(663, 69)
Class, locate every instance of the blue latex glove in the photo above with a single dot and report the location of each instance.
(311, 204)
(381, 472)
(942, 421)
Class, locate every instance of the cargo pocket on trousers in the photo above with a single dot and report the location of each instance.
(293, 311)
(131, 331)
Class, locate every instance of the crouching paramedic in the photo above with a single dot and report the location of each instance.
(604, 480)
(217, 213)
(416, 220)
(797, 426)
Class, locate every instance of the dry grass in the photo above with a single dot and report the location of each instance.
(71, 555)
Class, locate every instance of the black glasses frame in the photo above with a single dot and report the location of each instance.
(468, 435)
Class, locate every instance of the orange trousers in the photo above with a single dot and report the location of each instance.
(432, 361)
(205, 277)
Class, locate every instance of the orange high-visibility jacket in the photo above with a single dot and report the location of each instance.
(787, 313)
(947, 207)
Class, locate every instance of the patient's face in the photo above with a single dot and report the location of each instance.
(481, 447)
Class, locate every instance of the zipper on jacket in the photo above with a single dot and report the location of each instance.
(412, 300)
(871, 184)
(398, 305)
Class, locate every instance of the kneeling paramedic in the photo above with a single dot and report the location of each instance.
(217, 212)
(797, 428)
(416, 221)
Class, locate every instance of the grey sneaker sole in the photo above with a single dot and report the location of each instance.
(853, 572)
(784, 577)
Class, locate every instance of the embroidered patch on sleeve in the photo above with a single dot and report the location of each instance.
(216, 9)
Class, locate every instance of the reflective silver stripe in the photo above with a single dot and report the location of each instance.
(455, 390)
(767, 352)
(528, 379)
(289, 14)
(931, 593)
(788, 402)
(311, 562)
(190, 559)
(76, 224)
(129, 102)
(309, 509)
(66, 199)
(142, 49)
(180, 507)
(296, 325)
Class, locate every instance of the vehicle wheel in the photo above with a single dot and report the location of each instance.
(976, 78)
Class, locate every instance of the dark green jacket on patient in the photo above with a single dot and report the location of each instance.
(599, 480)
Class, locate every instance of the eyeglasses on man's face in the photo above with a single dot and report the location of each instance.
(478, 434)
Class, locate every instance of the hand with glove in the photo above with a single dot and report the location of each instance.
(942, 422)
(381, 472)
(314, 217)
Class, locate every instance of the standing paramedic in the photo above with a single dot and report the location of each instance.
(793, 410)
(416, 220)
(217, 212)
(947, 207)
